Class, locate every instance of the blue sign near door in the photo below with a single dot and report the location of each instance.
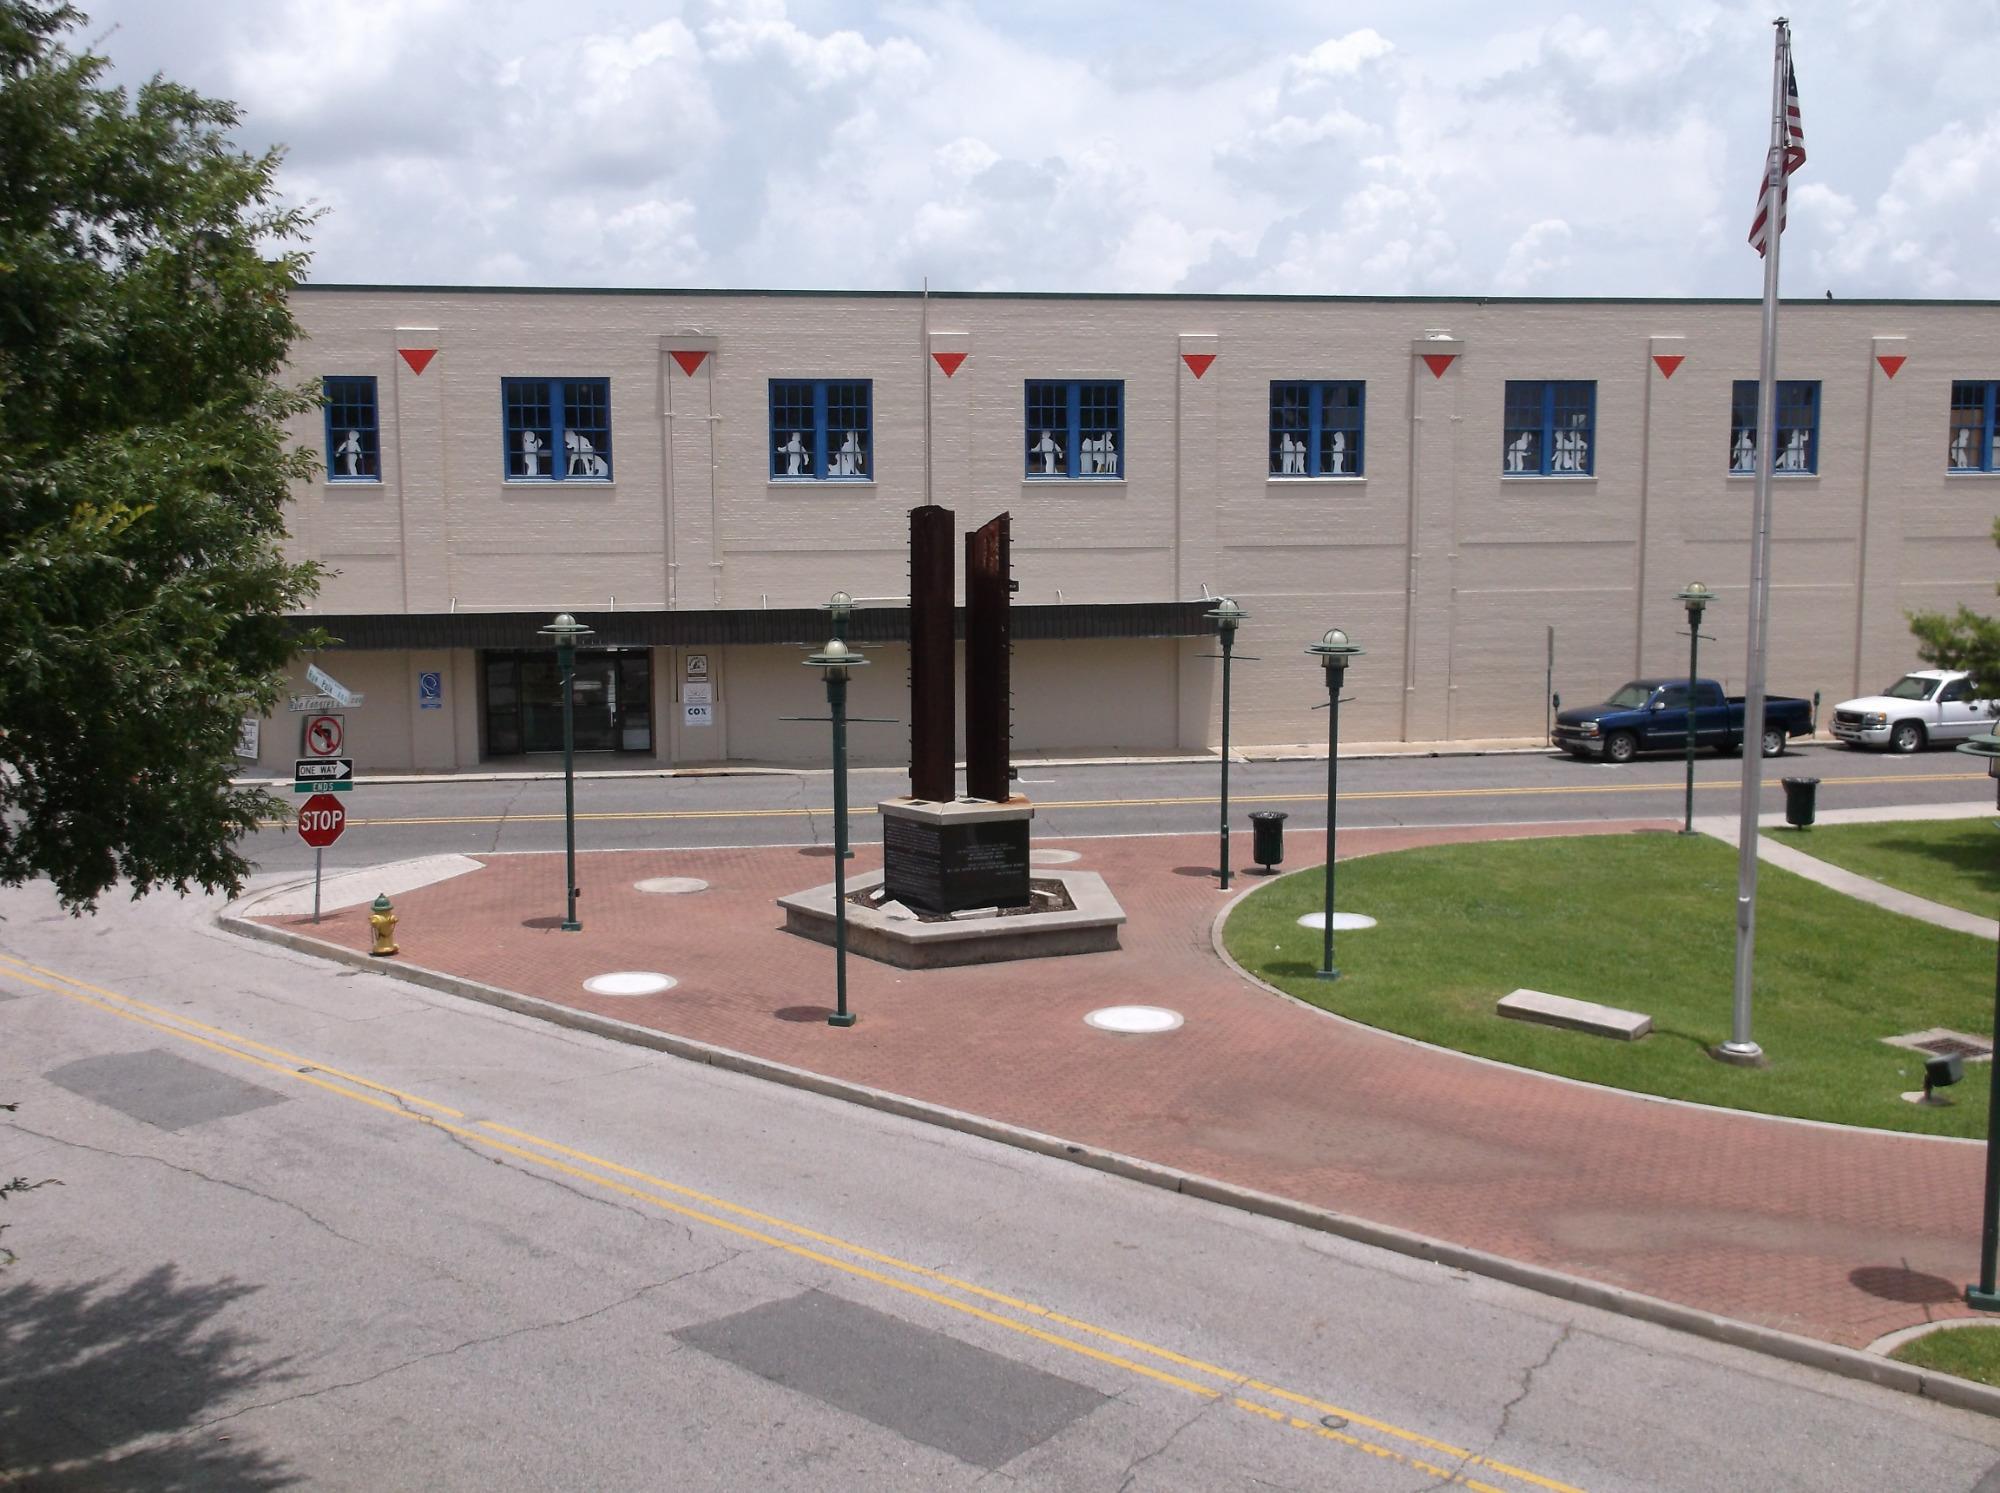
(430, 690)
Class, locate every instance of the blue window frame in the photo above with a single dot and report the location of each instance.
(1075, 428)
(822, 429)
(1797, 448)
(1316, 428)
(557, 429)
(353, 430)
(1972, 415)
(1551, 429)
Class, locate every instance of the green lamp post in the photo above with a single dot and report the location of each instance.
(1695, 597)
(838, 608)
(835, 662)
(567, 633)
(1227, 616)
(1985, 1296)
(1334, 652)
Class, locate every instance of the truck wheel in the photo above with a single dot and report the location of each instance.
(1907, 737)
(1774, 743)
(1620, 746)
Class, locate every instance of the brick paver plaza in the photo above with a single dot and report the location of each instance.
(1838, 1235)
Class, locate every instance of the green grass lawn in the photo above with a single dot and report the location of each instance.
(1969, 1352)
(1953, 861)
(1645, 922)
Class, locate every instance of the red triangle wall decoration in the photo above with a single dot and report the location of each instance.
(1668, 362)
(949, 362)
(690, 361)
(1438, 362)
(1197, 362)
(419, 358)
(1892, 363)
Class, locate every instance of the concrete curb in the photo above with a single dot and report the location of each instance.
(1848, 1362)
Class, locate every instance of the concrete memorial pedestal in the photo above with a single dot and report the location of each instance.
(949, 857)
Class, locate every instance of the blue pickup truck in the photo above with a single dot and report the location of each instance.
(1651, 715)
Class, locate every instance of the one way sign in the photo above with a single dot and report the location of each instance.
(322, 774)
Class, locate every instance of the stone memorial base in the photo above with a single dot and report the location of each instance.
(948, 857)
(891, 933)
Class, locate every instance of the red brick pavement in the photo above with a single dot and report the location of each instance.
(1834, 1234)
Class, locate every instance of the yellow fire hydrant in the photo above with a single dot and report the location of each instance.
(382, 920)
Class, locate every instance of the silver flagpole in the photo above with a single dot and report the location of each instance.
(1740, 1048)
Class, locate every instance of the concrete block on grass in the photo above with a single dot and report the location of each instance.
(1575, 1015)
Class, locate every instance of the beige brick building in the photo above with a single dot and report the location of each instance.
(1503, 468)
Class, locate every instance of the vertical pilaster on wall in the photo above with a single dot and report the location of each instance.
(1661, 463)
(1197, 547)
(688, 492)
(948, 442)
(422, 478)
(1881, 640)
(1437, 362)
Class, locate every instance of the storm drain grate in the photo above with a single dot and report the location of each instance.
(1938, 1042)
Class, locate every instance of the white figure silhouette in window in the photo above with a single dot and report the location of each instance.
(849, 462)
(1338, 465)
(583, 458)
(1517, 451)
(1746, 453)
(1794, 459)
(1287, 454)
(349, 452)
(1961, 446)
(1050, 451)
(1579, 446)
(1107, 456)
(531, 454)
(794, 452)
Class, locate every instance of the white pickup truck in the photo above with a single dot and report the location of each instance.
(1923, 706)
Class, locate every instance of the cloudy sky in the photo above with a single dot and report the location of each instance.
(1456, 147)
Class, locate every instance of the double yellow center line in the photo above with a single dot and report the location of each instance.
(1336, 1424)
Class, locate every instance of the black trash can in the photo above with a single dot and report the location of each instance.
(1267, 828)
(1801, 801)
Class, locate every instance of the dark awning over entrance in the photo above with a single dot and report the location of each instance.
(799, 626)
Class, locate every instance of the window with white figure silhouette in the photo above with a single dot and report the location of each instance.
(557, 429)
(822, 430)
(1971, 447)
(1316, 429)
(353, 435)
(1075, 428)
(1797, 427)
(1550, 429)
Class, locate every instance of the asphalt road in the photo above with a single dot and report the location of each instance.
(320, 1228)
(627, 811)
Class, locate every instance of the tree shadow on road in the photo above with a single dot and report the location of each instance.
(96, 1378)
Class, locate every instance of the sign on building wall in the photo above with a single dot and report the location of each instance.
(697, 666)
(698, 692)
(694, 714)
(430, 690)
(246, 737)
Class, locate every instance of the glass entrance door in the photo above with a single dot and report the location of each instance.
(612, 702)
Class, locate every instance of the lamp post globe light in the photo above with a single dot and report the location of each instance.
(838, 608)
(836, 661)
(567, 632)
(1695, 597)
(1334, 651)
(1227, 616)
(1986, 1295)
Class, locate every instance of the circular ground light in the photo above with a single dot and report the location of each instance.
(1053, 857)
(1343, 922)
(672, 886)
(1143, 1019)
(629, 982)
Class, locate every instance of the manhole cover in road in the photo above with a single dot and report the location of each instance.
(629, 982)
(1142, 1019)
(672, 886)
(1053, 857)
(1343, 922)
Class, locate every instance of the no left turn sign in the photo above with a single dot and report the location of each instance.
(324, 735)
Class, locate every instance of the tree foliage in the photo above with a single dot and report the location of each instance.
(145, 266)
(1963, 639)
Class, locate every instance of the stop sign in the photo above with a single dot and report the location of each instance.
(321, 819)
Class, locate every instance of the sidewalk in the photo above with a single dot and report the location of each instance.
(1836, 1235)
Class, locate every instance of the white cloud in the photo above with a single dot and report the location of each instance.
(1343, 56)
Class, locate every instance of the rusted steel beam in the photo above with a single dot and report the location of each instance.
(989, 710)
(932, 672)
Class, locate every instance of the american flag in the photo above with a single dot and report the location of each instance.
(1795, 157)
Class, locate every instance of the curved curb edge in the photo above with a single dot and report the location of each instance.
(1848, 1362)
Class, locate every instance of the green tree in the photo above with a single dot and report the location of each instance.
(145, 265)
(1963, 639)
